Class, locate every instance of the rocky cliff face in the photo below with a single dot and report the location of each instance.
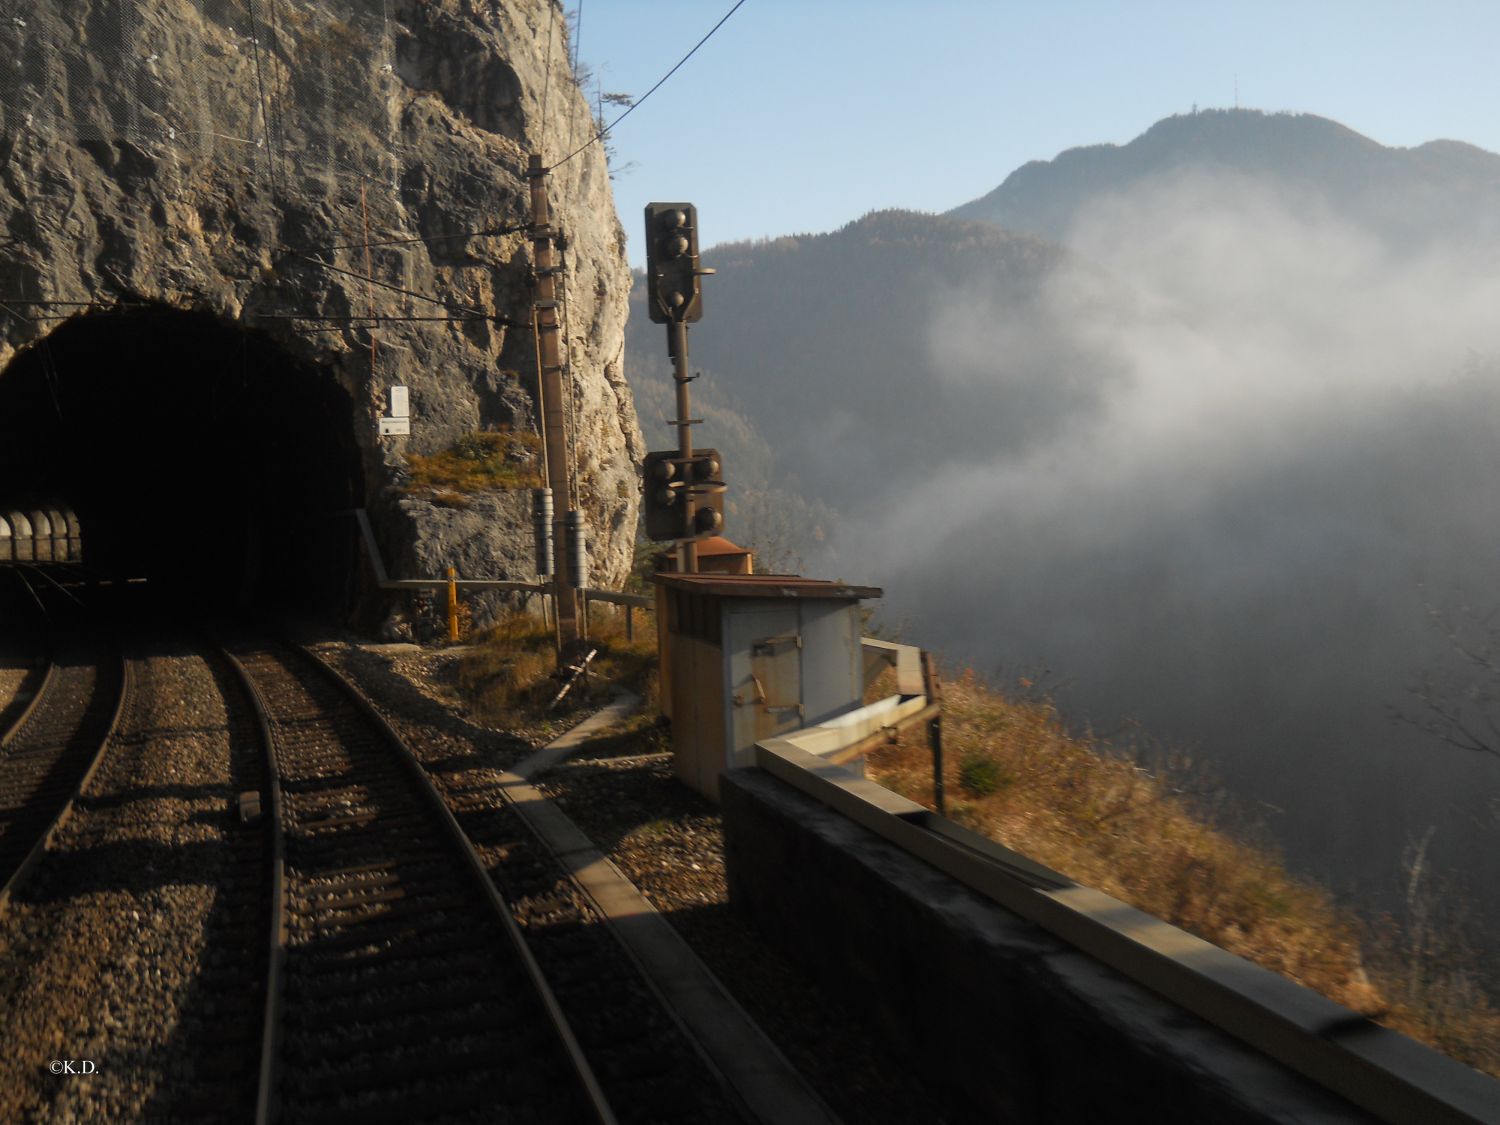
(347, 179)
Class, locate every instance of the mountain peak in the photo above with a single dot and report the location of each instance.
(1346, 169)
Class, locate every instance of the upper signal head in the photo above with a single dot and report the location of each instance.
(673, 291)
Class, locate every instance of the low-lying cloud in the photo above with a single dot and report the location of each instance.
(1291, 447)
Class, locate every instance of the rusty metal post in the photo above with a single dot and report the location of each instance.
(453, 604)
(932, 687)
(935, 735)
(687, 549)
(629, 623)
(550, 396)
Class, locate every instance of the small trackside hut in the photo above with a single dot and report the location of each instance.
(752, 656)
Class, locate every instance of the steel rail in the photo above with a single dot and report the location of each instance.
(40, 569)
(39, 847)
(49, 679)
(30, 589)
(266, 1105)
(561, 1027)
(269, 1106)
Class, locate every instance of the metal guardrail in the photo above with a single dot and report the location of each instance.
(385, 582)
(1382, 1071)
(614, 597)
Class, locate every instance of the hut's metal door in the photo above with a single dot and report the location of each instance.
(768, 692)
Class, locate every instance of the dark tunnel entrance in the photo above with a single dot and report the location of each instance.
(198, 456)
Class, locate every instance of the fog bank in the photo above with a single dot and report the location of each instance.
(1291, 452)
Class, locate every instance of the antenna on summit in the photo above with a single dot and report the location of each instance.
(1236, 91)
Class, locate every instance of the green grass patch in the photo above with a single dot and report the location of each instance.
(980, 775)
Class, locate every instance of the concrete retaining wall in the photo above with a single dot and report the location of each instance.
(1016, 1024)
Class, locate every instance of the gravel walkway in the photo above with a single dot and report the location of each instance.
(669, 841)
(110, 955)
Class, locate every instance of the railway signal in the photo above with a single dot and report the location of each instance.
(684, 497)
(707, 487)
(660, 506)
(673, 292)
(668, 490)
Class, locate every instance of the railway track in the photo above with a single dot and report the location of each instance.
(54, 744)
(399, 988)
(650, 1067)
(392, 983)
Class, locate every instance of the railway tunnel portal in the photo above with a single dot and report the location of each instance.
(263, 226)
(197, 454)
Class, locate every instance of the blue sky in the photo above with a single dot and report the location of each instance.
(800, 116)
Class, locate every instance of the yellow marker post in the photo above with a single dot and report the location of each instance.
(453, 604)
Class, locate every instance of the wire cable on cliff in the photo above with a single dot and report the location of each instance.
(604, 132)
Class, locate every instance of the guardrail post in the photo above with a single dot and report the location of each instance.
(933, 689)
(453, 604)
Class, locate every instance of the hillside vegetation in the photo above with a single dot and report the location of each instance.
(1013, 772)
(821, 341)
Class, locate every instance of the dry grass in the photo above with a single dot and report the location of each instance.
(506, 673)
(1013, 772)
(475, 463)
(507, 677)
(628, 663)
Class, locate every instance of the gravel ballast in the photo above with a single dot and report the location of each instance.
(127, 952)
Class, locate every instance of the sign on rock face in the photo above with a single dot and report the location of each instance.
(397, 422)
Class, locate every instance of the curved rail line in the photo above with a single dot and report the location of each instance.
(53, 749)
(399, 985)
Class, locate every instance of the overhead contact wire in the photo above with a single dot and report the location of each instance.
(487, 232)
(479, 313)
(547, 72)
(265, 113)
(604, 132)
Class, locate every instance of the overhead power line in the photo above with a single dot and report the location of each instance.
(478, 313)
(604, 132)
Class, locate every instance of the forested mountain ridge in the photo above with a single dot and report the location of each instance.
(822, 338)
(1440, 189)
